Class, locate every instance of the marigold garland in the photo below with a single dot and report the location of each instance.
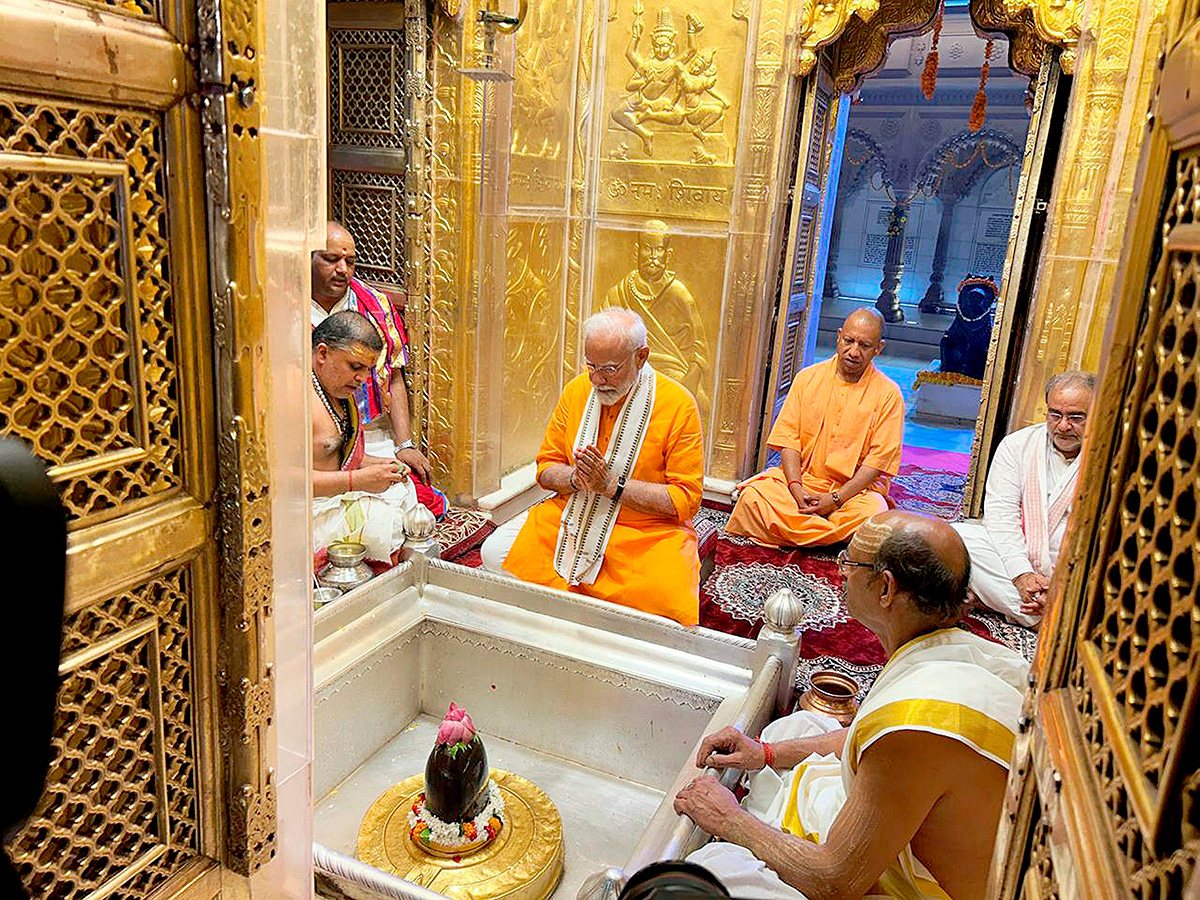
(929, 73)
(979, 107)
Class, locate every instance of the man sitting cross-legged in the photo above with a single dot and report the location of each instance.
(383, 397)
(355, 497)
(839, 436)
(911, 807)
(624, 456)
(1030, 488)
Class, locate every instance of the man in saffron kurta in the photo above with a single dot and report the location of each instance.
(650, 560)
(839, 435)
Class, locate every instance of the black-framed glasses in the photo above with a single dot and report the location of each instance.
(844, 562)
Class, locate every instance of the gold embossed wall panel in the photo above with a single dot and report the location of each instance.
(672, 96)
(120, 811)
(543, 133)
(87, 317)
(682, 311)
(533, 324)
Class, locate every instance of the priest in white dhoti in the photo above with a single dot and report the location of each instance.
(356, 497)
(906, 801)
(1031, 486)
(624, 456)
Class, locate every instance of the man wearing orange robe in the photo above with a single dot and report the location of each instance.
(624, 455)
(839, 437)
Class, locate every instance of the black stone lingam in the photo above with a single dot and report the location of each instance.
(456, 774)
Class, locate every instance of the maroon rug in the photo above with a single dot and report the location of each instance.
(745, 575)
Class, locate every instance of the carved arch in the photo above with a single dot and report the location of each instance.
(971, 155)
(870, 158)
(855, 34)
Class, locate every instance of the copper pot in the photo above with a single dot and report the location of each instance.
(832, 694)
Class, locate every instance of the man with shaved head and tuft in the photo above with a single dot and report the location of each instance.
(905, 802)
(839, 436)
(382, 399)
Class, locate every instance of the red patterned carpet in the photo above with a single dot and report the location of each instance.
(745, 574)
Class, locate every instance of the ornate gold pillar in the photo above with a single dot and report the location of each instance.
(1092, 192)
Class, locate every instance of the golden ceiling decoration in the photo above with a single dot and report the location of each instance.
(821, 23)
(1025, 46)
(1057, 21)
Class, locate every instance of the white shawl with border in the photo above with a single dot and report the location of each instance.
(588, 519)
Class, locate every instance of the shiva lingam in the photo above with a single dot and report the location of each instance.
(833, 694)
(463, 828)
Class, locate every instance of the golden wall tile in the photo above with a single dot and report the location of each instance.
(535, 288)
(674, 281)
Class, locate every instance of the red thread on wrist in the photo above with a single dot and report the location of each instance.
(349, 479)
(768, 755)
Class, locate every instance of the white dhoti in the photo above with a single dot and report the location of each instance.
(817, 785)
(497, 544)
(990, 580)
(374, 520)
(948, 682)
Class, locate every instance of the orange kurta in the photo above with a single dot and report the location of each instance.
(837, 427)
(651, 562)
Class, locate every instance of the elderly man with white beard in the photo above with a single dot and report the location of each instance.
(624, 456)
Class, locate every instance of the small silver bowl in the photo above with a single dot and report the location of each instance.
(346, 553)
(323, 595)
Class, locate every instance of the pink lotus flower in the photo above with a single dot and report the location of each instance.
(456, 727)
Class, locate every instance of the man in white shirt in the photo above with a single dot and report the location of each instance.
(1030, 489)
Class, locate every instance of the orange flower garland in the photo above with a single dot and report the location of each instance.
(929, 73)
(979, 107)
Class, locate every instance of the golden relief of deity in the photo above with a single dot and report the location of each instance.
(678, 342)
(542, 80)
(671, 91)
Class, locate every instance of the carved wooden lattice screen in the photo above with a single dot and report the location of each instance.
(366, 133)
(107, 329)
(1105, 794)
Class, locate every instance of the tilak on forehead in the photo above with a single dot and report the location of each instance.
(361, 353)
(870, 536)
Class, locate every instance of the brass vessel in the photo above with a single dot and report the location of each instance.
(832, 694)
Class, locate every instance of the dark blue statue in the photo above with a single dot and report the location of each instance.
(965, 342)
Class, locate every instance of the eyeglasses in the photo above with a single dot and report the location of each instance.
(606, 370)
(1054, 416)
(844, 562)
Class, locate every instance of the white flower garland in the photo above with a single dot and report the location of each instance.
(451, 834)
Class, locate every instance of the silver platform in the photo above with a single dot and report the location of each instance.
(599, 705)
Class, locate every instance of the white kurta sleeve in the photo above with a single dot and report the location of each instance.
(1002, 505)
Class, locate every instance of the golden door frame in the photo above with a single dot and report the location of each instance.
(1101, 798)
(850, 47)
(441, 259)
(148, 162)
